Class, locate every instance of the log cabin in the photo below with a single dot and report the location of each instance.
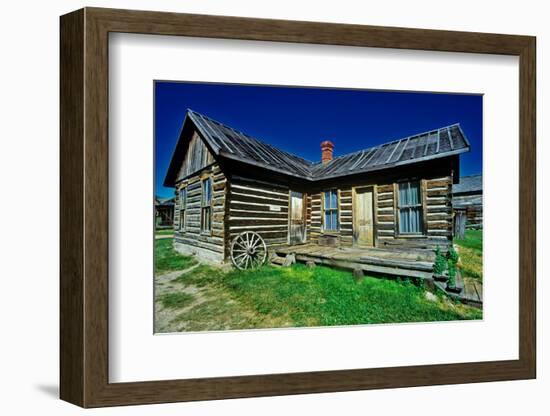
(394, 195)
(468, 201)
(164, 212)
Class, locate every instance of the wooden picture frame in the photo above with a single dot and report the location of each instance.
(84, 207)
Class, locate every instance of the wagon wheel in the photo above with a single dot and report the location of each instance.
(248, 250)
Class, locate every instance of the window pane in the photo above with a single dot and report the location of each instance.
(205, 219)
(331, 199)
(409, 194)
(207, 191)
(416, 226)
(410, 220)
(404, 220)
(410, 214)
(183, 198)
(330, 208)
(414, 193)
(403, 194)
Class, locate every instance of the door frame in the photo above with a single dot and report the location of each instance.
(304, 215)
(374, 213)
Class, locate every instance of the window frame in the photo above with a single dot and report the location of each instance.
(399, 207)
(182, 208)
(206, 205)
(335, 209)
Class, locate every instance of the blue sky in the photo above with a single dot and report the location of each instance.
(299, 119)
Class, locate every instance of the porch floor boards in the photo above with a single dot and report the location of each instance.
(472, 290)
(412, 263)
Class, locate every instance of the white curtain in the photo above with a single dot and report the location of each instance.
(410, 209)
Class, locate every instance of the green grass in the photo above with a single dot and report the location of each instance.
(322, 296)
(472, 239)
(471, 254)
(176, 299)
(201, 276)
(167, 259)
(298, 296)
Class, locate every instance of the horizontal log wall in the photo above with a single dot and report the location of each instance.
(258, 206)
(385, 213)
(437, 215)
(210, 244)
(438, 209)
(473, 204)
(345, 213)
(474, 217)
(314, 224)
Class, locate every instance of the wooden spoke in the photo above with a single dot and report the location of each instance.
(248, 250)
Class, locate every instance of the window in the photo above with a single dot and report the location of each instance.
(183, 206)
(410, 208)
(330, 206)
(206, 205)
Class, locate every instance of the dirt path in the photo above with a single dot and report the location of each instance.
(203, 306)
(165, 283)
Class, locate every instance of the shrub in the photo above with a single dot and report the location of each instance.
(440, 263)
(452, 273)
(452, 260)
(452, 255)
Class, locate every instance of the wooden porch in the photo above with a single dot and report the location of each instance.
(411, 263)
(392, 262)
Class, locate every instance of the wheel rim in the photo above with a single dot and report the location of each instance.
(248, 250)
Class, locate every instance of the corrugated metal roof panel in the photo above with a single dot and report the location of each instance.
(424, 146)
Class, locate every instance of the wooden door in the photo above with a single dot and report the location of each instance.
(297, 225)
(363, 231)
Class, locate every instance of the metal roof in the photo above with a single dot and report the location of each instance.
(233, 144)
(165, 201)
(442, 142)
(227, 142)
(469, 184)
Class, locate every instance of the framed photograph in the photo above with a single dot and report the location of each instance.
(257, 207)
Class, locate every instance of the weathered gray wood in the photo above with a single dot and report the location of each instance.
(260, 193)
(258, 200)
(197, 158)
(413, 265)
(460, 224)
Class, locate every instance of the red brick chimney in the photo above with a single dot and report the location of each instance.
(326, 151)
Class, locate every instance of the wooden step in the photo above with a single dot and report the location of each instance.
(277, 261)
